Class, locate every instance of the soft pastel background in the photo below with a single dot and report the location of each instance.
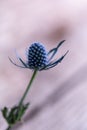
(58, 96)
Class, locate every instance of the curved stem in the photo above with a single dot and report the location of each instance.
(21, 105)
(28, 87)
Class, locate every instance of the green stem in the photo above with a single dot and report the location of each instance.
(28, 87)
(20, 105)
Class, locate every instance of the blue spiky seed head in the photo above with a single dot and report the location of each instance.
(36, 56)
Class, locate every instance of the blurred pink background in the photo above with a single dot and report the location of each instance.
(58, 96)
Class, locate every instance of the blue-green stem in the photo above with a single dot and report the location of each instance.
(25, 93)
(23, 97)
(28, 87)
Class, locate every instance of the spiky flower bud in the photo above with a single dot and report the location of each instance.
(36, 56)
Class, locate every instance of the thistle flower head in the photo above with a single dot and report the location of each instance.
(38, 58)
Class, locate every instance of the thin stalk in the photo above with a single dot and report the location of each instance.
(28, 87)
(20, 110)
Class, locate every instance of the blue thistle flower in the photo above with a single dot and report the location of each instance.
(38, 58)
